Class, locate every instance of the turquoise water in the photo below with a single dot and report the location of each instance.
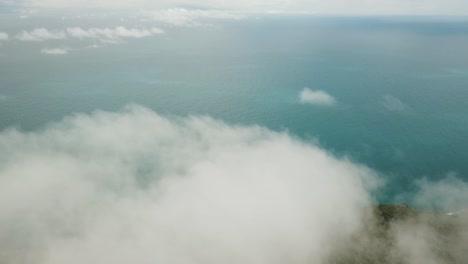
(401, 84)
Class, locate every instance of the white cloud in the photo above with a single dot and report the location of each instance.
(26, 13)
(112, 34)
(449, 193)
(108, 35)
(435, 236)
(431, 240)
(316, 97)
(135, 187)
(40, 34)
(55, 51)
(392, 103)
(4, 36)
(186, 17)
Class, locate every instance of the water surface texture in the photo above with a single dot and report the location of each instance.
(400, 84)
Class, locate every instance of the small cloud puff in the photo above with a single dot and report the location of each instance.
(392, 103)
(55, 51)
(316, 97)
(40, 35)
(4, 36)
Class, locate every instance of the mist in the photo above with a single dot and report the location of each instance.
(137, 187)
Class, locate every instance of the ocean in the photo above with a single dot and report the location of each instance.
(400, 83)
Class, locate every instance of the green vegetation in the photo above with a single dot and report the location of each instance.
(385, 214)
(393, 233)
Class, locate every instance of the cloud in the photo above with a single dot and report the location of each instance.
(112, 34)
(447, 194)
(40, 35)
(26, 13)
(107, 35)
(4, 36)
(316, 97)
(137, 187)
(392, 103)
(186, 17)
(55, 51)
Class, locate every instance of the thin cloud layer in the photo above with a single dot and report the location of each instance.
(450, 193)
(55, 51)
(135, 187)
(382, 7)
(316, 97)
(112, 34)
(392, 103)
(186, 17)
(26, 13)
(102, 34)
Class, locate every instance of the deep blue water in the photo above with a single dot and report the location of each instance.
(250, 72)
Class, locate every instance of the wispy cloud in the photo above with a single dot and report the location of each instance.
(448, 193)
(4, 36)
(112, 34)
(40, 35)
(316, 97)
(392, 103)
(189, 17)
(26, 13)
(55, 51)
(108, 35)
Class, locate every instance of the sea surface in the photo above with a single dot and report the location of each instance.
(401, 83)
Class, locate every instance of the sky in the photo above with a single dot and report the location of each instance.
(340, 7)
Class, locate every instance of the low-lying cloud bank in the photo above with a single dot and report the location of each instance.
(136, 187)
